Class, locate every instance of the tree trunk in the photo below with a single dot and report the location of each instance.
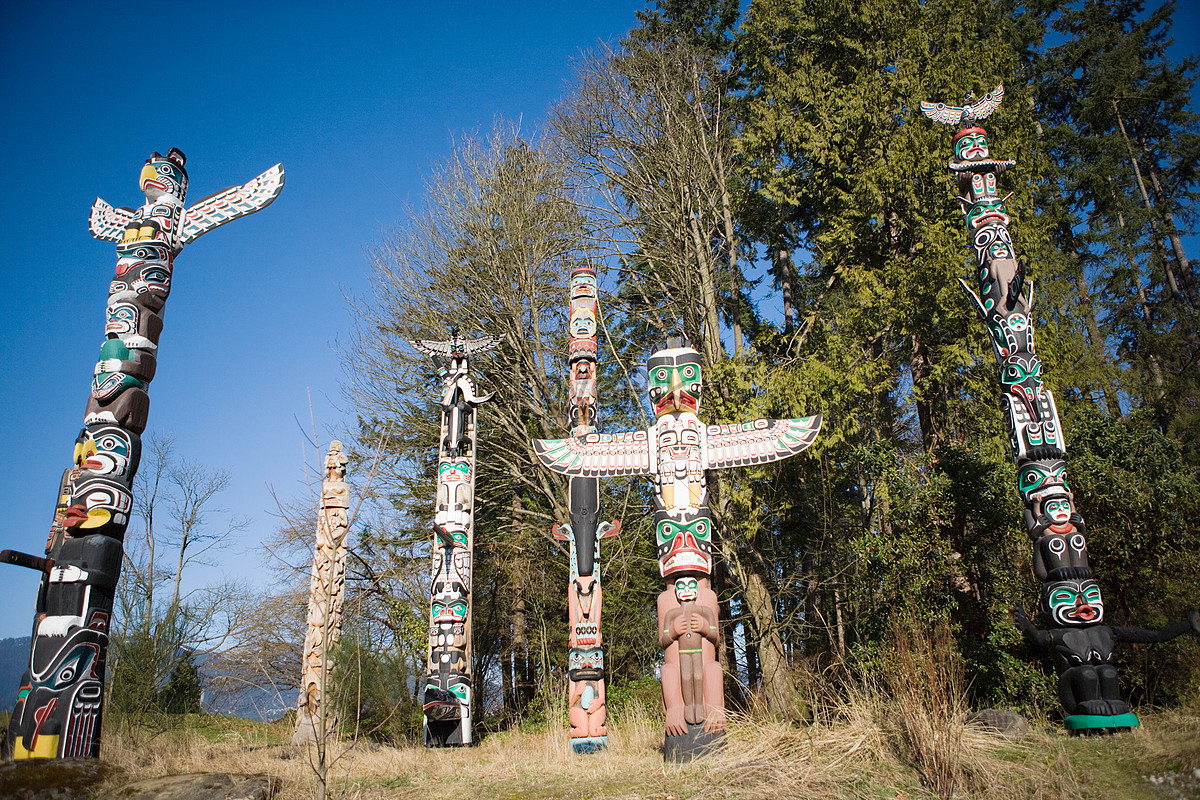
(1172, 281)
(1095, 339)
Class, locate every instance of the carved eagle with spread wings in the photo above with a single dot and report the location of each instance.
(457, 346)
(970, 111)
(605, 455)
(109, 223)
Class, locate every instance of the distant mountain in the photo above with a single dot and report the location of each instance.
(231, 698)
(247, 702)
(14, 656)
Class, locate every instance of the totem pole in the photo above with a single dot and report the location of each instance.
(585, 666)
(326, 593)
(675, 452)
(447, 695)
(1070, 598)
(59, 704)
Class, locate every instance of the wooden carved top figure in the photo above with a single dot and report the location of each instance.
(675, 452)
(335, 462)
(459, 393)
(162, 219)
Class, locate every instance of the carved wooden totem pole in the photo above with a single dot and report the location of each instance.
(447, 695)
(675, 453)
(1070, 597)
(326, 594)
(59, 703)
(585, 667)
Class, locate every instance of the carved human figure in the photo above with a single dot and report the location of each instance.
(586, 711)
(693, 690)
(1083, 647)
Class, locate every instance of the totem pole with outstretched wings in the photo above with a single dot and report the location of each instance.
(60, 700)
(675, 453)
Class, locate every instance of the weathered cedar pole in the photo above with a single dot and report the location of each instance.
(327, 591)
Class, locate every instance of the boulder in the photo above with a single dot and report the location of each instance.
(1000, 721)
(197, 786)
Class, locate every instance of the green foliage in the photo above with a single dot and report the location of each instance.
(1142, 507)
(182, 693)
(695, 147)
(370, 692)
(133, 674)
(640, 697)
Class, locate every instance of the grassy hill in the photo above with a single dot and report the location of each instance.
(860, 747)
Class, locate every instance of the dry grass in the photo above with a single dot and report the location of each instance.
(895, 740)
(854, 749)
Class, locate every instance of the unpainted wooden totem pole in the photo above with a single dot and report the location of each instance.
(59, 702)
(585, 667)
(1070, 598)
(327, 591)
(676, 452)
(446, 698)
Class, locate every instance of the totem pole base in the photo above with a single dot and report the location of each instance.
(589, 744)
(1085, 724)
(694, 744)
(445, 734)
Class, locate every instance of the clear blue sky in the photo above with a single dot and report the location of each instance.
(357, 102)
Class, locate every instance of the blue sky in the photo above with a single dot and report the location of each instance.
(358, 103)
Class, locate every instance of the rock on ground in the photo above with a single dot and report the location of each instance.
(199, 786)
(1008, 724)
(53, 778)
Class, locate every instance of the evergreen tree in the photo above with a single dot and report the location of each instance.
(183, 691)
(1126, 145)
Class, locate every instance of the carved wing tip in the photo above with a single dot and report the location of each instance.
(940, 112)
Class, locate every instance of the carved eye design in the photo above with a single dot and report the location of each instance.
(1077, 542)
(1061, 597)
(1057, 546)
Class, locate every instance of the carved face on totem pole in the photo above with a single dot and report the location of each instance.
(453, 514)
(1073, 603)
(98, 505)
(985, 210)
(684, 543)
(137, 327)
(65, 676)
(585, 663)
(1045, 476)
(971, 144)
(673, 379)
(1021, 377)
(687, 589)
(108, 451)
(164, 182)
(143, 275)
(582, 391)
